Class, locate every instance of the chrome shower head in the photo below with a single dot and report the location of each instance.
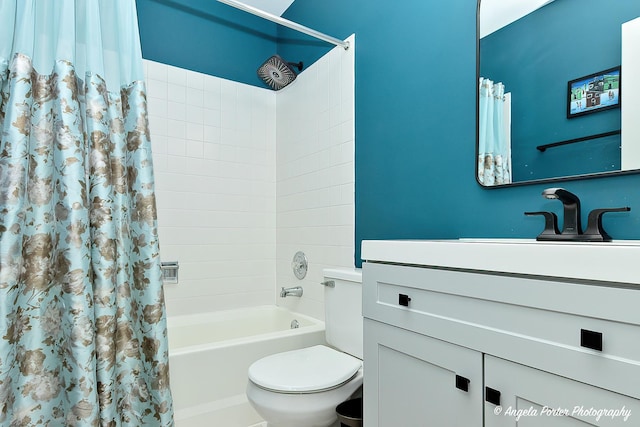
(278, 73)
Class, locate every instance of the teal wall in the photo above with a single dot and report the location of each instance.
(206, 36)
(536, 65)
(416, 125)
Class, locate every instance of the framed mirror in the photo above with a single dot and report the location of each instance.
(551, 85)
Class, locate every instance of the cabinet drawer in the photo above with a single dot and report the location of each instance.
(560, 327)
(596, 336)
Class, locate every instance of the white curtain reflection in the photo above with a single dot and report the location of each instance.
(494, 152)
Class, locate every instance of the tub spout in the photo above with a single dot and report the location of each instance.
(291, 292)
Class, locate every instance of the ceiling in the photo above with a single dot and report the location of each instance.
(275, 7)
(494, 14)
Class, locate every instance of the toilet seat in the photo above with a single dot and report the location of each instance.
(307, 370)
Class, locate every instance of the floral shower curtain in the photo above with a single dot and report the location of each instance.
(494, 157)
(83, 338)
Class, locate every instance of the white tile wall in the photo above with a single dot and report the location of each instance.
(315, 175)
(245, 177)
(214, 157)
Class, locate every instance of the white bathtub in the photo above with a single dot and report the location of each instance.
(209, 355)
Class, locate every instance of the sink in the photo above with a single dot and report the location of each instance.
(536, 242)
(592, 261)
(492, 240)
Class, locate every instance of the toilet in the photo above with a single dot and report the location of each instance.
(301, 388)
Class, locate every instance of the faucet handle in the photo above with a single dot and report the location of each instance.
(550, 224)
(594, 231)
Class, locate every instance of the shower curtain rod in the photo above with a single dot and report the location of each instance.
(282, 21)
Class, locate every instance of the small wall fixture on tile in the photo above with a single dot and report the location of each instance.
(169, 272)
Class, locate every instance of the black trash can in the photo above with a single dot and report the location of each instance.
(350, 413)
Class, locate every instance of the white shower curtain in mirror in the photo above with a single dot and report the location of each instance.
(83, 336)
(494, 162)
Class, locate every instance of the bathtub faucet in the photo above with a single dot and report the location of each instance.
(293, 292)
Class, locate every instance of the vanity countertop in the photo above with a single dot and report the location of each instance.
(616, 261)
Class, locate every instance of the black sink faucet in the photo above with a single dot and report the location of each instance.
(572, 229)
(571, 204)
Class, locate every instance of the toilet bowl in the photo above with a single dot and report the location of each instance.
(301, 388)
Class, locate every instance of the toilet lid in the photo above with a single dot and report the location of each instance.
(308, 369)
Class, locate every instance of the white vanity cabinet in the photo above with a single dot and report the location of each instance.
(546, 351)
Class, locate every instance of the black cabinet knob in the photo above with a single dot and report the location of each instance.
(404, 300)
(462, 383)
(591, 339)
(492, 396)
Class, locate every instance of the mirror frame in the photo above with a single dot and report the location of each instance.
(532, 181)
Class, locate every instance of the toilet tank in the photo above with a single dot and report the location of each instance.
(343, 310)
